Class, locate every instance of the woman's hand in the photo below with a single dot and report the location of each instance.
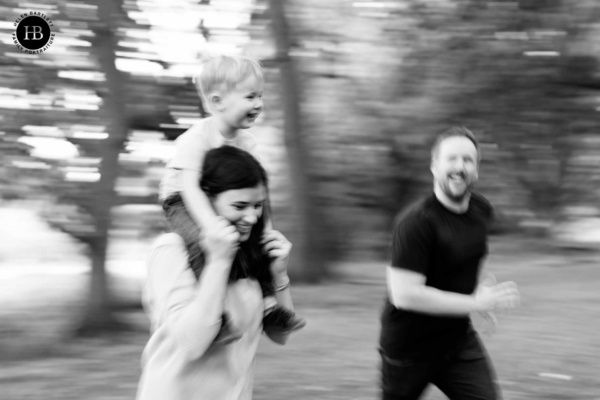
(278, 248)
(220, 240)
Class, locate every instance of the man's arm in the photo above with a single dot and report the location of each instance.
(407, 290)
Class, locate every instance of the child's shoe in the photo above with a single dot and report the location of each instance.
(279, 319)
(227, 334)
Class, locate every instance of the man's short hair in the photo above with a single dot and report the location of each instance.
(225, 72)
(455, 131)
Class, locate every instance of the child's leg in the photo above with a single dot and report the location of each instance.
(280, 319)
(226, 333)
(181, 222)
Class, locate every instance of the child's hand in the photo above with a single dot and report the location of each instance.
(220, 240)
(278, 248)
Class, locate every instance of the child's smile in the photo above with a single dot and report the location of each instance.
(244, 104)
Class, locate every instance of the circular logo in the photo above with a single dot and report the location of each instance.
(33, 34)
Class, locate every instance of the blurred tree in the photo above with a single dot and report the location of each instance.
(509, 71)
(309, 263)
(98, 316)
(522, 75)
(56, 107)
(363, 86)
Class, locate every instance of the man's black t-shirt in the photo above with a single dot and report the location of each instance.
(447, 248)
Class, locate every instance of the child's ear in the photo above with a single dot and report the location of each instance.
(215, 101)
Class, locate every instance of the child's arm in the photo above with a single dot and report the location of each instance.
(196, 202)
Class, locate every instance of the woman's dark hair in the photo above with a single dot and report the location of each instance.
(229, 168)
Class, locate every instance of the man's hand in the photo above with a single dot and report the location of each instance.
(487, 319)
(499, 296)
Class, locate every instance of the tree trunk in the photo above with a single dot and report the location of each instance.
(306, 263)
(98, 316)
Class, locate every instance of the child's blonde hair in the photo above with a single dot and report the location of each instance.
(224, 73)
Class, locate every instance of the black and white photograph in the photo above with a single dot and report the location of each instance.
(299, 199)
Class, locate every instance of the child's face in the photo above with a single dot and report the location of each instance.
(241, 106)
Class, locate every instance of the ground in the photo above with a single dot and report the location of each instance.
(547, 349)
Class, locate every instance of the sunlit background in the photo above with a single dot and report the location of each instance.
(355, 93)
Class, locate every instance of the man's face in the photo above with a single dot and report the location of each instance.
(455, 167)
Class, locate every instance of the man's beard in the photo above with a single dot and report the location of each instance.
(456, 197)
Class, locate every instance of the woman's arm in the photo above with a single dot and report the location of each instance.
(192, 312)
(278, 248)
(284, 298)
(282, 291)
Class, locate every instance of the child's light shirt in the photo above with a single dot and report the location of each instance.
(191, 147)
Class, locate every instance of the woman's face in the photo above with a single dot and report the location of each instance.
(241, 207)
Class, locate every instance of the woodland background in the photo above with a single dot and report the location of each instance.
(355, 93)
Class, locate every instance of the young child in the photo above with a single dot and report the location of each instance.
(232, 88)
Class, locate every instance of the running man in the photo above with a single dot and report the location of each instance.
(437, 249)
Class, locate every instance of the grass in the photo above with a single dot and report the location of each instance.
(334, 357)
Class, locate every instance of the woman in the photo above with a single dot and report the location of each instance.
(182, 359)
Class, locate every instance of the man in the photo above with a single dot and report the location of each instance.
(437, 248)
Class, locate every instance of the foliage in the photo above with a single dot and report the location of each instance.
(521, 75)
(377, 81)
